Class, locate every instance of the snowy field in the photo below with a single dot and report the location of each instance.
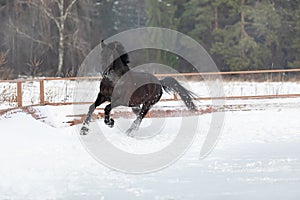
(257, 157)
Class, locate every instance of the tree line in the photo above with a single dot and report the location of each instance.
(52, 37)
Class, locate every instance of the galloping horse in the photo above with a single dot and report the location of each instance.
(124, 87)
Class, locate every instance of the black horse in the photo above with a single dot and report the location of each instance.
(124, 87)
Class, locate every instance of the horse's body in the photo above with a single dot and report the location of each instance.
(124, 87)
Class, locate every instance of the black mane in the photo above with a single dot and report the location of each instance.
(121, 51)
(124, 55)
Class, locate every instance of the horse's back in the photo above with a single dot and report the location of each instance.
(135, 88)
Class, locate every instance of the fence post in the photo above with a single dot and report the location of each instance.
(19, 93)
(42, 92)
(175, 96)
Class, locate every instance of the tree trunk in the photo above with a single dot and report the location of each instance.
(60, 53)
(243, 31)
(216, 18)
(61, 46)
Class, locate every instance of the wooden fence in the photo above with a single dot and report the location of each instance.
(42, 85)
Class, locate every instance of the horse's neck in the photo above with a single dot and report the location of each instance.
(125, 69)
(120, 67)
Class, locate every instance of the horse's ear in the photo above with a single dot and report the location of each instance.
(103, 44)
(116, 44)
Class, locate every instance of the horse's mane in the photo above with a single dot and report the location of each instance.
(121, 51)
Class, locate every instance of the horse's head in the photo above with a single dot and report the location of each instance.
(114, 59)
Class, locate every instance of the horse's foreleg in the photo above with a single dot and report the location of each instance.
(89, 114)
(107, 120)
(84, 129)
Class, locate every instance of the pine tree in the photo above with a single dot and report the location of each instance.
(296, 42)
(289, 43)
(129, 14)
(161, 13)
(247, 43)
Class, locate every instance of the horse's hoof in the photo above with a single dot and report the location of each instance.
(84, 130)
(129, 133)
(110, 122)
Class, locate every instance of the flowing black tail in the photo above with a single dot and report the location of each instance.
(172, 85)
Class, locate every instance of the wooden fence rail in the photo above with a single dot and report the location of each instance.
(42, 85)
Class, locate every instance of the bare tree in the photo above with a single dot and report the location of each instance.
(5, 71)
(58, 11)
(34, 67)
(60, 21)
(23, 33)
(3, 58)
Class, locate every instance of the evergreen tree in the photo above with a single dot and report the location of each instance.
(103, 20)
(161, 13)
(129, 14)
(247, 43)
(295, 63)
(289, 47)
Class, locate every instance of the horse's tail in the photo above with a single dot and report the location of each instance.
(172, 85)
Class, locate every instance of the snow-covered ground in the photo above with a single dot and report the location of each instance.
(257, 157)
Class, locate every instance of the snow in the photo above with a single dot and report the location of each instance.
(256, 157)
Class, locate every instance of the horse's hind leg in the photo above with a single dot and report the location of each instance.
(136, 123)
(100, 99)
(136, 110)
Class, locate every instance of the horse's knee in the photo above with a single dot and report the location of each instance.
(107, 109)
(92, 107)
(136, 110)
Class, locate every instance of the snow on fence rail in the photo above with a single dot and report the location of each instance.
(18, 93)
